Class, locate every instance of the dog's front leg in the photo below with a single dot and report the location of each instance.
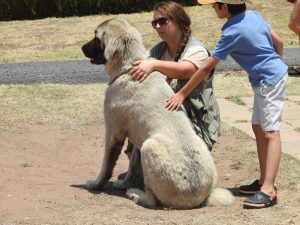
(113, 146)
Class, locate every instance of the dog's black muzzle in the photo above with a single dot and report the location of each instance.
(94, 51)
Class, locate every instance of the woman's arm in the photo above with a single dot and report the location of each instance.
(175, 101)
(174, 70)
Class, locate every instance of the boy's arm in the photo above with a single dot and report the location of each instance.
(175, 101)
(277, 42)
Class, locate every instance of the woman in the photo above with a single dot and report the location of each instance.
(178, 56)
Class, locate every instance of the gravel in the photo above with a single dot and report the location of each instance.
(83, 72)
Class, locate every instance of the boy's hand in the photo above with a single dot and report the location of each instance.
(175, 101)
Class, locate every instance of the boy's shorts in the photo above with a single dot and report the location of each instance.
(268, 104)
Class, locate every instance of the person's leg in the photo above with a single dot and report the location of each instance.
(261, 146)
(270, 158)
(269, 153)
(250, 189)
(270, 101)
(260, 141)
(271, 107)
(294, 22)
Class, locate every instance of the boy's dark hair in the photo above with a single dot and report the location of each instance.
(234, 9)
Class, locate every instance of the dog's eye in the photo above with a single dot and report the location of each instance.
(97, 42)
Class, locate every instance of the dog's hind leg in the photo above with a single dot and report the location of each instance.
(134, 176)
(145, 198)
(113, 147)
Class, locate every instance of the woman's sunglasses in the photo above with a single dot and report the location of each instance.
(161, 22)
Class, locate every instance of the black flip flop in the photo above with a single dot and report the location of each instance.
(260, 200)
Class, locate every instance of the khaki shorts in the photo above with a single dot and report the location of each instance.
(268, 104)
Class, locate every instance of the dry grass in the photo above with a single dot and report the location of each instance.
(235, 83)
(60, 39)
(69, 105)
(74, 105)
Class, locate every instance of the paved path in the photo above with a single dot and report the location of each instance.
(240, 117)
(83, 72)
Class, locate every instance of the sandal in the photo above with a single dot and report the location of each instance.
(250, 189)
(294, 70)
(260, 200)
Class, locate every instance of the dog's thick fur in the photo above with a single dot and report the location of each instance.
(178, 169)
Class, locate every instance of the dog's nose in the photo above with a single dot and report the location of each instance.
(85, 51)
(83, 48)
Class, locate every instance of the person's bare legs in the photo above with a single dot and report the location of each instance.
(294, 22)
(272, 161)
(260, 146)
(269, 154)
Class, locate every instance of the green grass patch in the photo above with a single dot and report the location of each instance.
(235, 99)
(25, 165)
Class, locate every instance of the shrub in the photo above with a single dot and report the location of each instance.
(36, 9)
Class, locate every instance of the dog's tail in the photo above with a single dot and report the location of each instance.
(220, 196)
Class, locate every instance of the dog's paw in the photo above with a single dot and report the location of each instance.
(92, 185)
(135, 194)
(119, 184)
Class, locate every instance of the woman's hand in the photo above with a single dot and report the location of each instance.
(141, 69)
(175, 101)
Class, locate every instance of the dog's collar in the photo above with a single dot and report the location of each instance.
(115, 77)
(125, 70)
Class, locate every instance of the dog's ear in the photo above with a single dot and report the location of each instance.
(117, 47)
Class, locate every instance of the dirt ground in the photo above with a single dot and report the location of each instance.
(43, 168)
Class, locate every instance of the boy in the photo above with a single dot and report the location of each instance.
(250, 41)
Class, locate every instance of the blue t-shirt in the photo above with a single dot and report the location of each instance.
(246, 38)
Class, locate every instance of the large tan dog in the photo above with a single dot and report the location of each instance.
(178, 169)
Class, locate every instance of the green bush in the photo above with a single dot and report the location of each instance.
(36, 9)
